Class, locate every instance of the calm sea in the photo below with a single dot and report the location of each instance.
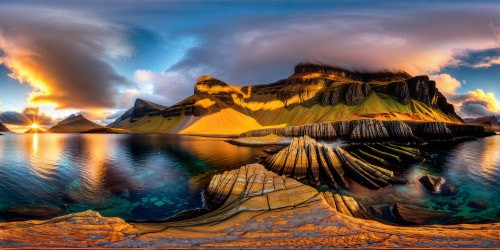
(146, 177)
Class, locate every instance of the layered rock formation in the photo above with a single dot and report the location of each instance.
(313, 94)
(375, 131)
(305, 158)
(75, 123)
(252, 208)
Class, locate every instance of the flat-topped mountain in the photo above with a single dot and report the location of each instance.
(73, 124)
(313, 93)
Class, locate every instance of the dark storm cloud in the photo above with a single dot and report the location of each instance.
(29, 116)
(63, 56)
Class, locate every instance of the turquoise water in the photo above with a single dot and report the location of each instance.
(472, 166)
(139, 177)
(152, 177)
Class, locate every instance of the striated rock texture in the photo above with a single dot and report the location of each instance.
(73, 124)
(313, 94)
(305, 158)
(375, 131)
(85, 229)
(255, 208)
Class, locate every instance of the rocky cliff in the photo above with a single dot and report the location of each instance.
(312, 94)
(75, 123)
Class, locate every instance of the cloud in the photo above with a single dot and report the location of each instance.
(475, 103)
(63, 55)
(446, 84)
(420, 41)
(164, 87)
(29, 116)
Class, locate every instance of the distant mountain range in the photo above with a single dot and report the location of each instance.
(313, 93)
(75, 123)
(489, 122)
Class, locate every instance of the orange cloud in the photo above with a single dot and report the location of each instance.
(62, 56)
(471, 104)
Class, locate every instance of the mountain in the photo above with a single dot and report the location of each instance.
(313, 93)
(3, 128)
(73, 124)
(489, 122)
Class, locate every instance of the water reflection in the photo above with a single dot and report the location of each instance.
(130, 176)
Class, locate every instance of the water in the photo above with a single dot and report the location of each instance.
(139, 177)
(472, 166)
(151, 177)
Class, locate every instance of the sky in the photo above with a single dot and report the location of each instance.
(96, 57)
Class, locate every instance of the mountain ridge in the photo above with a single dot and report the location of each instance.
(74, 123)
(313, 93)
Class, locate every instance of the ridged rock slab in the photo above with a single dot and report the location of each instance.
(305, 158)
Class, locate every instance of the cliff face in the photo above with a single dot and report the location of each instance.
(73, 124)
(314, 93)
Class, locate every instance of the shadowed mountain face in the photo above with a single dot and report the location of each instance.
(314, 93)
(3, 128)
(489, 122)
(73, 124)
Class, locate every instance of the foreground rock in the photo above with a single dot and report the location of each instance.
(254, 208)
(305, 158)
(33, 211)
(478, 203)
(418, 216)
(431, 182)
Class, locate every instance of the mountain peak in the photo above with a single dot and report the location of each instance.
(74, 123)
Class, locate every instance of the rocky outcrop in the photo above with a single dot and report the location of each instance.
(32, 211)
(261, 209)
(3, 128)
(305, 158)
(376, 131)
(431, 182)
(85, 229)
(75, 123)
(418, 216)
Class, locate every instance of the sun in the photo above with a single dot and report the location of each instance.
(34, 126)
